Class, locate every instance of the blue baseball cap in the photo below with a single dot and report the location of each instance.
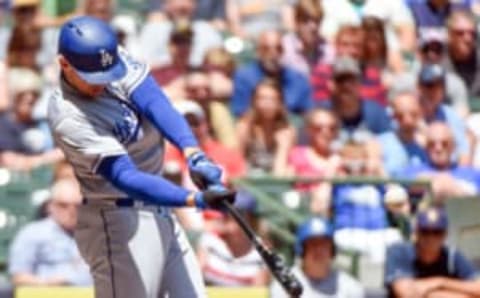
(91, 47)
(432, 219)
(316, 227)
(431, 73)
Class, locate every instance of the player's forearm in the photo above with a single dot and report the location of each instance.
(154, 104)
(122, 173)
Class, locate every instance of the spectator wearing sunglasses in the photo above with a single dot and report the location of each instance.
(448, 178)
(463, 53)
(428, 267)
(432, 94)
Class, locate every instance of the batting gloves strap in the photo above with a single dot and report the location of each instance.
(203, 171)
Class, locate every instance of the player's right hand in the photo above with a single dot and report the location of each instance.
(214, 197)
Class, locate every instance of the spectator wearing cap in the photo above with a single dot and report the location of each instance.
(296, 91)
(349, 41)
(448, 178)
(430, 14)
(428, 267)
(432, 49)
(227, 257)
(304, 48)
(357, 116)
(44, 252)
(402, 146)
(155, 35)
(315, 271)
(463, 53)
(24, 142)
(432, 93)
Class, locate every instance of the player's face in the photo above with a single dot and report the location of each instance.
(74, 79)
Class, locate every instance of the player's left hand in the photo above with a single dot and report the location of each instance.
(203, 171)
(214, 197)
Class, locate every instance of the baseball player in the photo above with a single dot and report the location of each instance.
(109, 117)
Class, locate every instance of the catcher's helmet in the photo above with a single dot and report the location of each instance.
(91, 47)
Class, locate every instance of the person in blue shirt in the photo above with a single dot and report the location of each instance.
(296, 87)
(431, 88)
(428, 267)
(434, 13)
(44, 252)
(400, 147)
(448, 178)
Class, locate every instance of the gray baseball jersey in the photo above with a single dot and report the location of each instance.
(88, 130)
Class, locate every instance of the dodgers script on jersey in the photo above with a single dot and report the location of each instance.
(88, 130)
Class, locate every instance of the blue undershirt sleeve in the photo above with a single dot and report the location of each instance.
(123, 174)
(154, 104)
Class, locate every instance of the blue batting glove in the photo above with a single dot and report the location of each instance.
(203, 171)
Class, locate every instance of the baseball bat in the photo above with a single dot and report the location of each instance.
(274, 262)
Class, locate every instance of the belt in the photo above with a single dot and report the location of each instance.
(124, 202)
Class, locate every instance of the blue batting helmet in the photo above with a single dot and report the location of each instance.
(312, 228)
(91, 47)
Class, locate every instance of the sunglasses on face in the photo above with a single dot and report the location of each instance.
(463, 32)
(317, 128)
(431, 232)
(442, 143)
(436, 48)
(25, 9)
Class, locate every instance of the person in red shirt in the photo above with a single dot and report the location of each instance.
(232, 162)
(349, 42)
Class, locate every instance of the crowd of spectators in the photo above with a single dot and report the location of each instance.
(284, 88)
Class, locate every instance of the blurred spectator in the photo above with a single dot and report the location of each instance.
(4, 100)
(249, 18)
(377, 52)
(349, 42)
(428, 267)
(169, 74)
(316, 272)
(264, 133)
(230, 160)
(220, 66)
(100, 9)
(432, 49)
(395, 13)
(358, 210)
(430, 14)
(127, 34)
(156, 34)
(198, 88)
(295, 87)
(463, 57)
(213, 11)
(447, 177)
(228, 257)
(401, 147)
(30, 45)
(398, 207)
(304, 48)
(318, 158)
(24, 142)
(431, 87)
(358, 117)
(44, 252)
(63, 170)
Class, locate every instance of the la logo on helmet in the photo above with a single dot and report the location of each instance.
(105, 58)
